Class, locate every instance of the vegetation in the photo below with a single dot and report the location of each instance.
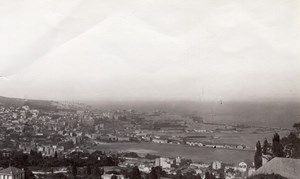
(77, 159)
(151, 156)
(258, 156)
(209, 175)
(266, 147)
(291, 145)
(156, 173)
(288, 146)
(135, 173)
(277, 147)
(297, 128)
(131, 155)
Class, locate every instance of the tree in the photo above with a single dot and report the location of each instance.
(291, 145)
(277, 148)
(32, 152)
(178, 174)
(297, 127)
(96, 172)
(131, 155)
(88, 169)
(207, 175)
(114, 177)
(157, 172)
(258, 156)
(222, 176)
(198, 176)
(29, 174)
(135, 173)
(265, 148)
(190, 174)
(153, 174)
(74, 169)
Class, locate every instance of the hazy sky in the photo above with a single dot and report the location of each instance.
(147, 49)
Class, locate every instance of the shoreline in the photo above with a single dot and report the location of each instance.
(197, 154)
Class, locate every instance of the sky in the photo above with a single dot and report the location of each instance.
(150, 49)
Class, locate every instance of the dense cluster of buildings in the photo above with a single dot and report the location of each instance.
(62, 132)
(172, 165)
(51, 132)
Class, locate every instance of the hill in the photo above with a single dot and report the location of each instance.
(35, 104)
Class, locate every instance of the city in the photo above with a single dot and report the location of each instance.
(57, 137)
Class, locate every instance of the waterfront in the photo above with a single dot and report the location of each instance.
(197, 154)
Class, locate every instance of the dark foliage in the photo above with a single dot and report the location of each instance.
(297, 127)
(131, 155)
(135, 173)
(114, 177)
(291, 145)
(277, 147)
(28, 174)
(75, 160)
(74, 169)
(258, 156)
(266, 146)
(151, 156)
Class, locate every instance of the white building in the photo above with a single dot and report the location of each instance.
(242, 167)
(178, 160)
(160, 141)
(216, 165)
(163, 162)
(12, 173)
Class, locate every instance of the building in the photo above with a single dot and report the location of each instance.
(123, 139)
(160, 141)
(163, 162)
(12, 173)
(242, 167)
(178, 160)
(216, 165)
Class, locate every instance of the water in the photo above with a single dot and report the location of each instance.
(268, 113)
(197, 154)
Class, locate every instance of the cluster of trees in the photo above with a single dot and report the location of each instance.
(291, 143)
(158, 172)
(288, 147)
(75, 160)
(189, 175)
(209, 175)
(78, 162)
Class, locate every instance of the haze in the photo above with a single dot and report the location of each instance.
(142, 50)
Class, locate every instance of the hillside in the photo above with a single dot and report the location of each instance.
(285, 167)
(35, 104)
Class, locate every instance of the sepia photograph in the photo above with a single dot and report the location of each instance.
(150, 89)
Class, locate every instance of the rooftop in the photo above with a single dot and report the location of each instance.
(286, 167)
(11, 171)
